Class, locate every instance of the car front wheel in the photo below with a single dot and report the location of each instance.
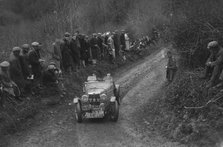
(114, 111)
(78, 113)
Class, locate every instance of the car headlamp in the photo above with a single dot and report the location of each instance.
(84, 98)
(103, 97)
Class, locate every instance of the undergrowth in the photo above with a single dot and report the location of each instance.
(195, 127)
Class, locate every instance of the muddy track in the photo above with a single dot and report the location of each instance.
(138, 85)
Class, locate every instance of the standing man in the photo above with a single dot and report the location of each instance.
(24, 60)
(7, 84)
(122, 40)
(35, 61)
(67, 56)
(15, 69)
(94, 48)
(127, 42)
(57, 56)
(88, 46)
(100, 45)
(171, 67)
(84, 50)
(116, 43)
(111, 49)
(214, 64)
(75, 47)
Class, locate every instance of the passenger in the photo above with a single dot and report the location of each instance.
(214, 64)
(35, 60)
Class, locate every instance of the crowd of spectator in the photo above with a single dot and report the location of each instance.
(25, 65)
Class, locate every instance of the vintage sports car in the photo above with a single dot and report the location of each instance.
(101, 99)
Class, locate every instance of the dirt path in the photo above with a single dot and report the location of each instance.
(138, 85)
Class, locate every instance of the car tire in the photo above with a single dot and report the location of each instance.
(78, 113)
(114, 111)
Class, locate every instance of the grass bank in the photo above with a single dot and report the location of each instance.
(195, 127)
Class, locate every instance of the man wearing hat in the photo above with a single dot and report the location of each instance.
(7, 84)
(57, 56)
(75, 47)
(24, 60)
(84, 50)
(100, 45)
(49, 75)
(15, 68)
(111, 49)
(34, 60)
(122, 40)
(95, 50)
(214, 64)
(51, 85)
(116, 43)
(66, 54)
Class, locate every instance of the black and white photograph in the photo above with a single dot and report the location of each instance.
(111, 73)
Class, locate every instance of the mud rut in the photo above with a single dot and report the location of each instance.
(138, 84)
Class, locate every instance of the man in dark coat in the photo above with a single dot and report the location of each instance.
(106, 38)
(122, 40)
(116, 43)
(7, 84)
(84, 50)
(214, 64)
(34, 60)
(100, 45)
(49, 76)
(57, 56)
(171, 67)
(51, 85)
(15, 69)
(88, 45)
(94, 47)
(24, 60)
(75, 49)
(67, 59)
